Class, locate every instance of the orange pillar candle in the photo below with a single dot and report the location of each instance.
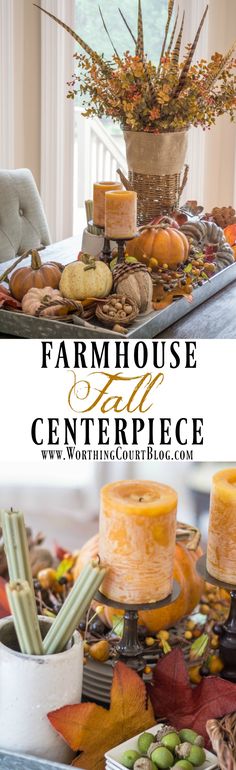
(137, 540)
(99, 191)
(121, 214)
(221, 547)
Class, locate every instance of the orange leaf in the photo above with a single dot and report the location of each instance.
(93, 730)
(4, 606)
(230, 234)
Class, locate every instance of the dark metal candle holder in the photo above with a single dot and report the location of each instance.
(226, 631)
(130, 650)
(121, 242)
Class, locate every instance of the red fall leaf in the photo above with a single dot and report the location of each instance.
(174, 699)
(4, 606)
(6, 299)
(93, 730)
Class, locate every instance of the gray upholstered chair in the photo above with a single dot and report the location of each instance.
(23, 223)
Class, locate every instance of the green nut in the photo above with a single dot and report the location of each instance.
(187, 735)
(184, 764)
(144, 742)
(170, 741)
(197, 756)
(162, 758)
(129, 758)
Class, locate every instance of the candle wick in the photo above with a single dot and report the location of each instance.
(141, 499)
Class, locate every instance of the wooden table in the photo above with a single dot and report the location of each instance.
(215, 318)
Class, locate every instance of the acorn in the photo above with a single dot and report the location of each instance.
(184, 764)
(129, 758)
(183, 750)
(162, 758)
(144, 742)
(197, 756)
(143, 763)
(170, 741)
(151, 748)
(188, 735)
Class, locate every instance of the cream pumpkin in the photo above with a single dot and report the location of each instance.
(187, 551)
(35, 302)
(86, 278)
(159, 245)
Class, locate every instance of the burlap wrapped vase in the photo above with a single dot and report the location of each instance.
(156, 170)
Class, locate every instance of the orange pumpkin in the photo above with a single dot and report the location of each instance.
(159, 245)
(230, 235)
(37, 275)
(186, 554)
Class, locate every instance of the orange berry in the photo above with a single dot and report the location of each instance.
(190, 625)
(47, 578)
(194, 675)
(163, 635)
(153, 263)
(214, 642)
(100, 650)
(196, 633)
(215, 664)
(188, 635)
(204, 609)
(149, 641)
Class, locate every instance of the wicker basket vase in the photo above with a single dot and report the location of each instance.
(156, 170)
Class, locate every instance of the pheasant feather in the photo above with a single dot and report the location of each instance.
(127, 25)
(189, 58)
(169, 17)
(173, 32)
(140, 43)
(176, 52)
(108, 33)
(93, 55)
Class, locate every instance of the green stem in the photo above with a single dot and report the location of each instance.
(16, 547)
(25, 617)
(73, 609)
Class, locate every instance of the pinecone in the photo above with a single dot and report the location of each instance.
(224, 216)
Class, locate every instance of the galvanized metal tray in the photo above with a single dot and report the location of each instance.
(144, 327)
(10, 761)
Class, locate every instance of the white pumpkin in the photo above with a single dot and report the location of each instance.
(86, 278)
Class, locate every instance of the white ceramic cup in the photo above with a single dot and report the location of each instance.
(32, 686)
(93, 244)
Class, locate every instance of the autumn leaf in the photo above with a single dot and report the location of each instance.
(4, 606)
(94, 730)
(174, 699)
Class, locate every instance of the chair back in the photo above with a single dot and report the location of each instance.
(23, 223)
